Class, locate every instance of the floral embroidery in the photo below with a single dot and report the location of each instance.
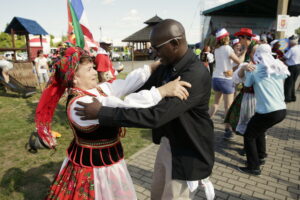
(73, 182)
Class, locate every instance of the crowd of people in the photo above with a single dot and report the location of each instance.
(267, 78)
(171, 97)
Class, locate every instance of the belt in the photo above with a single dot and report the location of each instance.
(97, 143)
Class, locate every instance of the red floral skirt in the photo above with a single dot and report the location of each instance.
(81, 183)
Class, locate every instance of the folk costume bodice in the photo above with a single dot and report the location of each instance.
(94, 145)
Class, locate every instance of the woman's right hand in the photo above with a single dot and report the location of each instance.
(175, 88)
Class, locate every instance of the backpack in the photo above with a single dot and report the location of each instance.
(35, 143)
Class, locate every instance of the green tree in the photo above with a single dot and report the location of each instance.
(51, 40)
(5, 41)
(64, 38)
(297, 31)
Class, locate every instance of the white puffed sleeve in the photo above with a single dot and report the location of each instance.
(141, 99)
(235, 77)
(75, 119)
(133, 81)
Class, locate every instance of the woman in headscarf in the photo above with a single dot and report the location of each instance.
(95, 166)
(267, 80)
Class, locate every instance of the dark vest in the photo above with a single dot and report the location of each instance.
(96, 145)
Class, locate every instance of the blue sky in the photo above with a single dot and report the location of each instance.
(118, 18)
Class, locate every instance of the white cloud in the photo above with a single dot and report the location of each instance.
(132, 17)
(107, 2)
(86, 2)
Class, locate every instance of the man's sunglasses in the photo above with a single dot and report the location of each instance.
(157, 47)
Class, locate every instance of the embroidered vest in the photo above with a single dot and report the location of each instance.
(96, 145)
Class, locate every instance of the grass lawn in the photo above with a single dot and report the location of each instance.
(28, 176)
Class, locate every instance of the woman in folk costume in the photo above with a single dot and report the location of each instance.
(243, 106)
(95, 166)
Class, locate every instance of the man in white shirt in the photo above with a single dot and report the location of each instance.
(292, 60)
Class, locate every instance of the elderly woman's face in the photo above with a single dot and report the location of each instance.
(86, 76)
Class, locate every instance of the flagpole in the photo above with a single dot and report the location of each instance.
(100, 32)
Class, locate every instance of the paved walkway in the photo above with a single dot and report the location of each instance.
(280, 177)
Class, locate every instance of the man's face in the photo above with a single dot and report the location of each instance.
(165, 49)
(106, 47)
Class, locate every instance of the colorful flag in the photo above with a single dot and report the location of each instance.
(78, 28)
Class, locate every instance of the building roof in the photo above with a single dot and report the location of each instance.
(143, 35)
(24, 26)
(252, 8)
(154, 20)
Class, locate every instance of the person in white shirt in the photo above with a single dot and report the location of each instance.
(5, 66)
(41, 67)
(292, 60)
(95, 165)
(222, 83)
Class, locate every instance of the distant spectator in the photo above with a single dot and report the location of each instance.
(275, 49)
(292, 59)
(197, 51)
(208, 59)
(103, 62)
(42, 68)
(263, 39)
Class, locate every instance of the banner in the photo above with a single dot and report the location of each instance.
(282, 22)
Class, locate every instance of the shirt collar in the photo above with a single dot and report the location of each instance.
(183, 61)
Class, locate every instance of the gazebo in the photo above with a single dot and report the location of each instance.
(22, 79)
(139, 39)
(22, 26)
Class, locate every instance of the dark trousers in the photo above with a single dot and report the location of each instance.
(290, 81)
(254, 138)
(211, 68)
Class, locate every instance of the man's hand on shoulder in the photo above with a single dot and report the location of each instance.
(88, 111)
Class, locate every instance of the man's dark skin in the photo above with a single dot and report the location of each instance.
(169, 53)
(105, 46)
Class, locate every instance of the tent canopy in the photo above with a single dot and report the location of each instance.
(252, 8)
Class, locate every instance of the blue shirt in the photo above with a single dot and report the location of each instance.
(268, 90)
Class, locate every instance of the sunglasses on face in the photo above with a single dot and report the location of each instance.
(157, 47)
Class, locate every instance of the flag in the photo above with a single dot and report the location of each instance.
(78, 28)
